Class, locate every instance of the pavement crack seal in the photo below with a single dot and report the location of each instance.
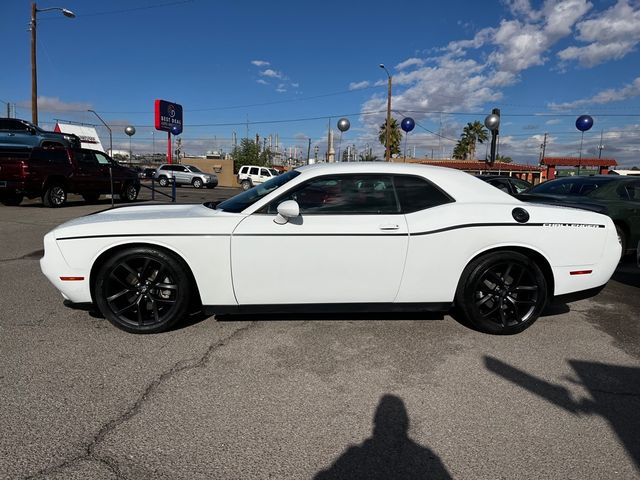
(29, 256)
(179, 367)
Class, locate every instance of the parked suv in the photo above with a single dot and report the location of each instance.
(251, 175)
(18, 134)
(184, 175)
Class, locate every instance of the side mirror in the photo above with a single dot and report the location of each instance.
(286, 211)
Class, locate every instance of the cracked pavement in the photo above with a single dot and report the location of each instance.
(270, 397)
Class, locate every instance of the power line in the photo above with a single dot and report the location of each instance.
(126, 10)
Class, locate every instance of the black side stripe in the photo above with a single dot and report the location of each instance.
(417, 234)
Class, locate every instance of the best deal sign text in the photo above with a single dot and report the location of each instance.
(168, 117)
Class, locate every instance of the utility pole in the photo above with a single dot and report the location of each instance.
(543, 148)
(308, 151)
(387, 153)
(600, 146)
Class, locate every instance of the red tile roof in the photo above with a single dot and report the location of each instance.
(475, 165)
(574, 162)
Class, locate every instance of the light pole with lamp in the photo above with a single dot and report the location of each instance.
(110, 151)
(34, 69)
(387, 146)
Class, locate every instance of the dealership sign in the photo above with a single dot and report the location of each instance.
(168, 117)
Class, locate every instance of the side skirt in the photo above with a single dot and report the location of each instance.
(328, 308)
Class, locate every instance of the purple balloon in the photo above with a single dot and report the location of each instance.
(407, 124)
(584, 123)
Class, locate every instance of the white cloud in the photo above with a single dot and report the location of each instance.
(610, 35)
(281, 88)
(271, 73)
(295, 85)
(358, 85)
(410, 62)
(262, 81)
(54, 104)
(260, 63)
(605, 96)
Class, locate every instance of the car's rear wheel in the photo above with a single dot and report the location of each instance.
(197, 183)
(55, 195)
(502, 293)
(12, 199)
(129, 193)
(163, 181)
(143, 290)
(245, 184)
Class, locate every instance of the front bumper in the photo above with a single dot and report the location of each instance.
(72, 283)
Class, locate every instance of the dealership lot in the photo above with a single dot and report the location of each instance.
(287, 396)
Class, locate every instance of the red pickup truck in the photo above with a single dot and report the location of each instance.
(53, 173)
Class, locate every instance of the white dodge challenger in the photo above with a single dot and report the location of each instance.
(335, 237)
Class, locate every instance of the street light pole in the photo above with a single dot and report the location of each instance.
(34, 68)
(387, 145)
(110, 135)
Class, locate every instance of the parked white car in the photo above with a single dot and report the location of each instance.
(252, 175)
(363, 236)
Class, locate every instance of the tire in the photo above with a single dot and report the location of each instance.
(12, 199)
(197, 183)
(622, 238)
(55, 195)
(501, 293)
(163, 181)
(129, 193)
(143, 290)
(246, 184)
(91, 197)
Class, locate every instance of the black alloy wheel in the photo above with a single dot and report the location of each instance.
(163, 181)
(502, 293)
(55, 195)
(129, 193)
(622, 238)
(143, 290)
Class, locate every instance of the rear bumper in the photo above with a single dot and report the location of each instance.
(576, 296)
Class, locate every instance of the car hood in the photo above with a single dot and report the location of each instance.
(150, 220)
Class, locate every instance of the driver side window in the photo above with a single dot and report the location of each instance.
(344, 195)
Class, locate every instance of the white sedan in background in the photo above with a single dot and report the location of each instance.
(336, 237)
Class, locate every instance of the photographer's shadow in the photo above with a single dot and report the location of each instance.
(389, 453)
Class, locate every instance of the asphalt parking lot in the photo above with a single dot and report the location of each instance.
(307, 396)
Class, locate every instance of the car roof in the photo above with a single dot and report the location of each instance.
(461, 185)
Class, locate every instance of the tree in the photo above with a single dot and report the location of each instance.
(395, 136)
(474, 133)
(461, 150)
(368, 156)
(248, 153)
(503, 159)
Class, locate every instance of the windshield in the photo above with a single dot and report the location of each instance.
(194, 169)
(243, 200)
(273, 171)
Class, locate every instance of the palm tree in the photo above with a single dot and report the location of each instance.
(395, 136)
(474, 133)
(461, 150)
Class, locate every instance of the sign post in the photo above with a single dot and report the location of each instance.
(168, 118)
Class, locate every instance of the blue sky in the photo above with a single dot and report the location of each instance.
(291, 68)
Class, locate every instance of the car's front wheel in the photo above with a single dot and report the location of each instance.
(55, 195)
(143, 290)
(129, 193)
(197, 182)
(163, 181)
(502, 292)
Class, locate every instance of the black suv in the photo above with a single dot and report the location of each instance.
(20, 134)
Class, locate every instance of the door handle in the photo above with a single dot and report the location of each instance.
(389, 226)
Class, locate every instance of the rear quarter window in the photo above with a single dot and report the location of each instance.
(417, 193)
